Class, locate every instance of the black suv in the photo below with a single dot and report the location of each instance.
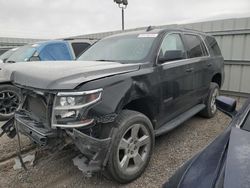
(121, 93)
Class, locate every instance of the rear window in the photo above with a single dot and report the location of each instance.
(196, 47)
(213, 46)
(79, 47)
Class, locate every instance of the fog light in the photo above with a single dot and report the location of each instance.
(68, 114)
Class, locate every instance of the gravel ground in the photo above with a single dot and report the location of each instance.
(8, 148)
(171, 151)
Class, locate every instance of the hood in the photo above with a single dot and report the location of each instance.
(64, 74)
(237, 165)
(202, 171)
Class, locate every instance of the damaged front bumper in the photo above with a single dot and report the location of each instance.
(34, 130)
(94, 151)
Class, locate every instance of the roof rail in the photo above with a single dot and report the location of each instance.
(68, 39)
(192, 29)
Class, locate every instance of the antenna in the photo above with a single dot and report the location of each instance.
(149, 28)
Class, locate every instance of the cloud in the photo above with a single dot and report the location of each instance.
(60, 18)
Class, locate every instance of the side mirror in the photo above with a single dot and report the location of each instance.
(171, 55)
(35, 58)
(226, 105)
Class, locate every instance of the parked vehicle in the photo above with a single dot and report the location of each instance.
(121, 93)
(53, 50)
(224, 162)
(7, 54)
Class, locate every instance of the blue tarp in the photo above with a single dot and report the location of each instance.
(54, 51)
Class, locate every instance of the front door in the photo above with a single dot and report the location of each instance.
(176, 79)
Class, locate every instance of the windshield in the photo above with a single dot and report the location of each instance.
(22, 54)
(7, 54)
(130, 48)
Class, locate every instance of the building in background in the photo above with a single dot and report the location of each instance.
(233, 36)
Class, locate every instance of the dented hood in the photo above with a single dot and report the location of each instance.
(64, 74)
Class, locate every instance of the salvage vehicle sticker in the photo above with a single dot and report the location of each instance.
(148, 35)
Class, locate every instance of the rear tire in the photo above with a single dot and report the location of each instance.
(9, 101)
(211, 109)
(132, 147)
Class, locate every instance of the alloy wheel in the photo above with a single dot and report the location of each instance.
(213, 99)
(9, 102)
(133, 149)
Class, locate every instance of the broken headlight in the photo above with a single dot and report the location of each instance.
(69, 107)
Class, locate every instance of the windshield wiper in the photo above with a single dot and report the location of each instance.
(10, 61)
(104, 60)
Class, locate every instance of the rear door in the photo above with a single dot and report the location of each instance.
(176, 80)
(199, 65)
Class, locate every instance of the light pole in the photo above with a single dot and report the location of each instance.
(123, 5)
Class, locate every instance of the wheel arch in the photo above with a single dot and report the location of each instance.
(217, 78)
(144, 105)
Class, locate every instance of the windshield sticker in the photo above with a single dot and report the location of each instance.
(153, 35)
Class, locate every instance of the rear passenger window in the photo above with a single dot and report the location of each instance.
(213, 46)
(195, 46)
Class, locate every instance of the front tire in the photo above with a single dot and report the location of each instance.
(9, 101)
(211, 108)
(132, 147)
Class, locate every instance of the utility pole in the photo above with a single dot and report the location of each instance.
(122, 18)
(123, 5)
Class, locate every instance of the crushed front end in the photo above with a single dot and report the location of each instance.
(52, 119)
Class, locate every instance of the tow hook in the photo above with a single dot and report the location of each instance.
(8, 129)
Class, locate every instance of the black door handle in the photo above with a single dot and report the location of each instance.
(190, 70)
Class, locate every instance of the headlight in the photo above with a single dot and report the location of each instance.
(69, 107)
(64, 101)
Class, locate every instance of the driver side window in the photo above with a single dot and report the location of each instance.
(171, 42)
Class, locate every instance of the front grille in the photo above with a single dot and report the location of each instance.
(37, 106)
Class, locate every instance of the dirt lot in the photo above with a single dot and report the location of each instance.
(171, 151)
